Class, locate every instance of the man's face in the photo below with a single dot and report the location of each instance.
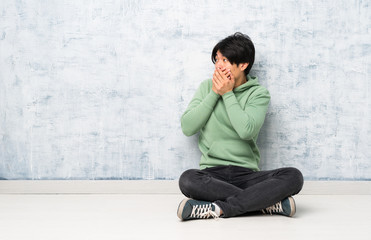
(222, 62)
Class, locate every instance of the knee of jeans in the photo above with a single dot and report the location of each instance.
(297, 179)
(186, 181)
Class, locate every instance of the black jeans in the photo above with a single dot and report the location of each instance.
(239, 190)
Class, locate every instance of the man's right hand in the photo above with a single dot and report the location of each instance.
(223, 81)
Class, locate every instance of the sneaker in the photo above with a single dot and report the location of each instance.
(285, 207)
(194, 209)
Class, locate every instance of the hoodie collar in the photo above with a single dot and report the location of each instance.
(251, 81)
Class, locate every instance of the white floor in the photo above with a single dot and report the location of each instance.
(150, 216)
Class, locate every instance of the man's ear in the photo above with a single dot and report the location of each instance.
(243, 66)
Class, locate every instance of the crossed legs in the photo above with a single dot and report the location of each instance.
(238, 190)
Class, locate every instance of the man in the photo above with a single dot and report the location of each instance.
(228, 112)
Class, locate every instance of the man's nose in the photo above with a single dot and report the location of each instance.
(219, 65)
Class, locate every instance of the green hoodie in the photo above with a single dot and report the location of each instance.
(229, 125)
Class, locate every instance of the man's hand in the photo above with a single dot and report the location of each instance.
(223, 81)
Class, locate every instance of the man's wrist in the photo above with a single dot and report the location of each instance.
(215, 94)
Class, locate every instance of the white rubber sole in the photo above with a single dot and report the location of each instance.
(293, 206)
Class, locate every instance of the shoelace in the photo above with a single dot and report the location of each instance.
(203, 211)
(276, 208)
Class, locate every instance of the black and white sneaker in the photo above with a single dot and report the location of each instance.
(194, 209)
(285, 207)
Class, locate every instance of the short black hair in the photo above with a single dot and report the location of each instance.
(237, 48)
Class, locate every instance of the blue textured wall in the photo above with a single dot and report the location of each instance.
(95, 89)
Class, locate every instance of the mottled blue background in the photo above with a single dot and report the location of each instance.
(95, 89)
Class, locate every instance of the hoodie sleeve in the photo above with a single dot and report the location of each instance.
(248, 121)
(199, 109)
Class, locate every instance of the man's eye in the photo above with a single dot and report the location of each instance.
(225, 60)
